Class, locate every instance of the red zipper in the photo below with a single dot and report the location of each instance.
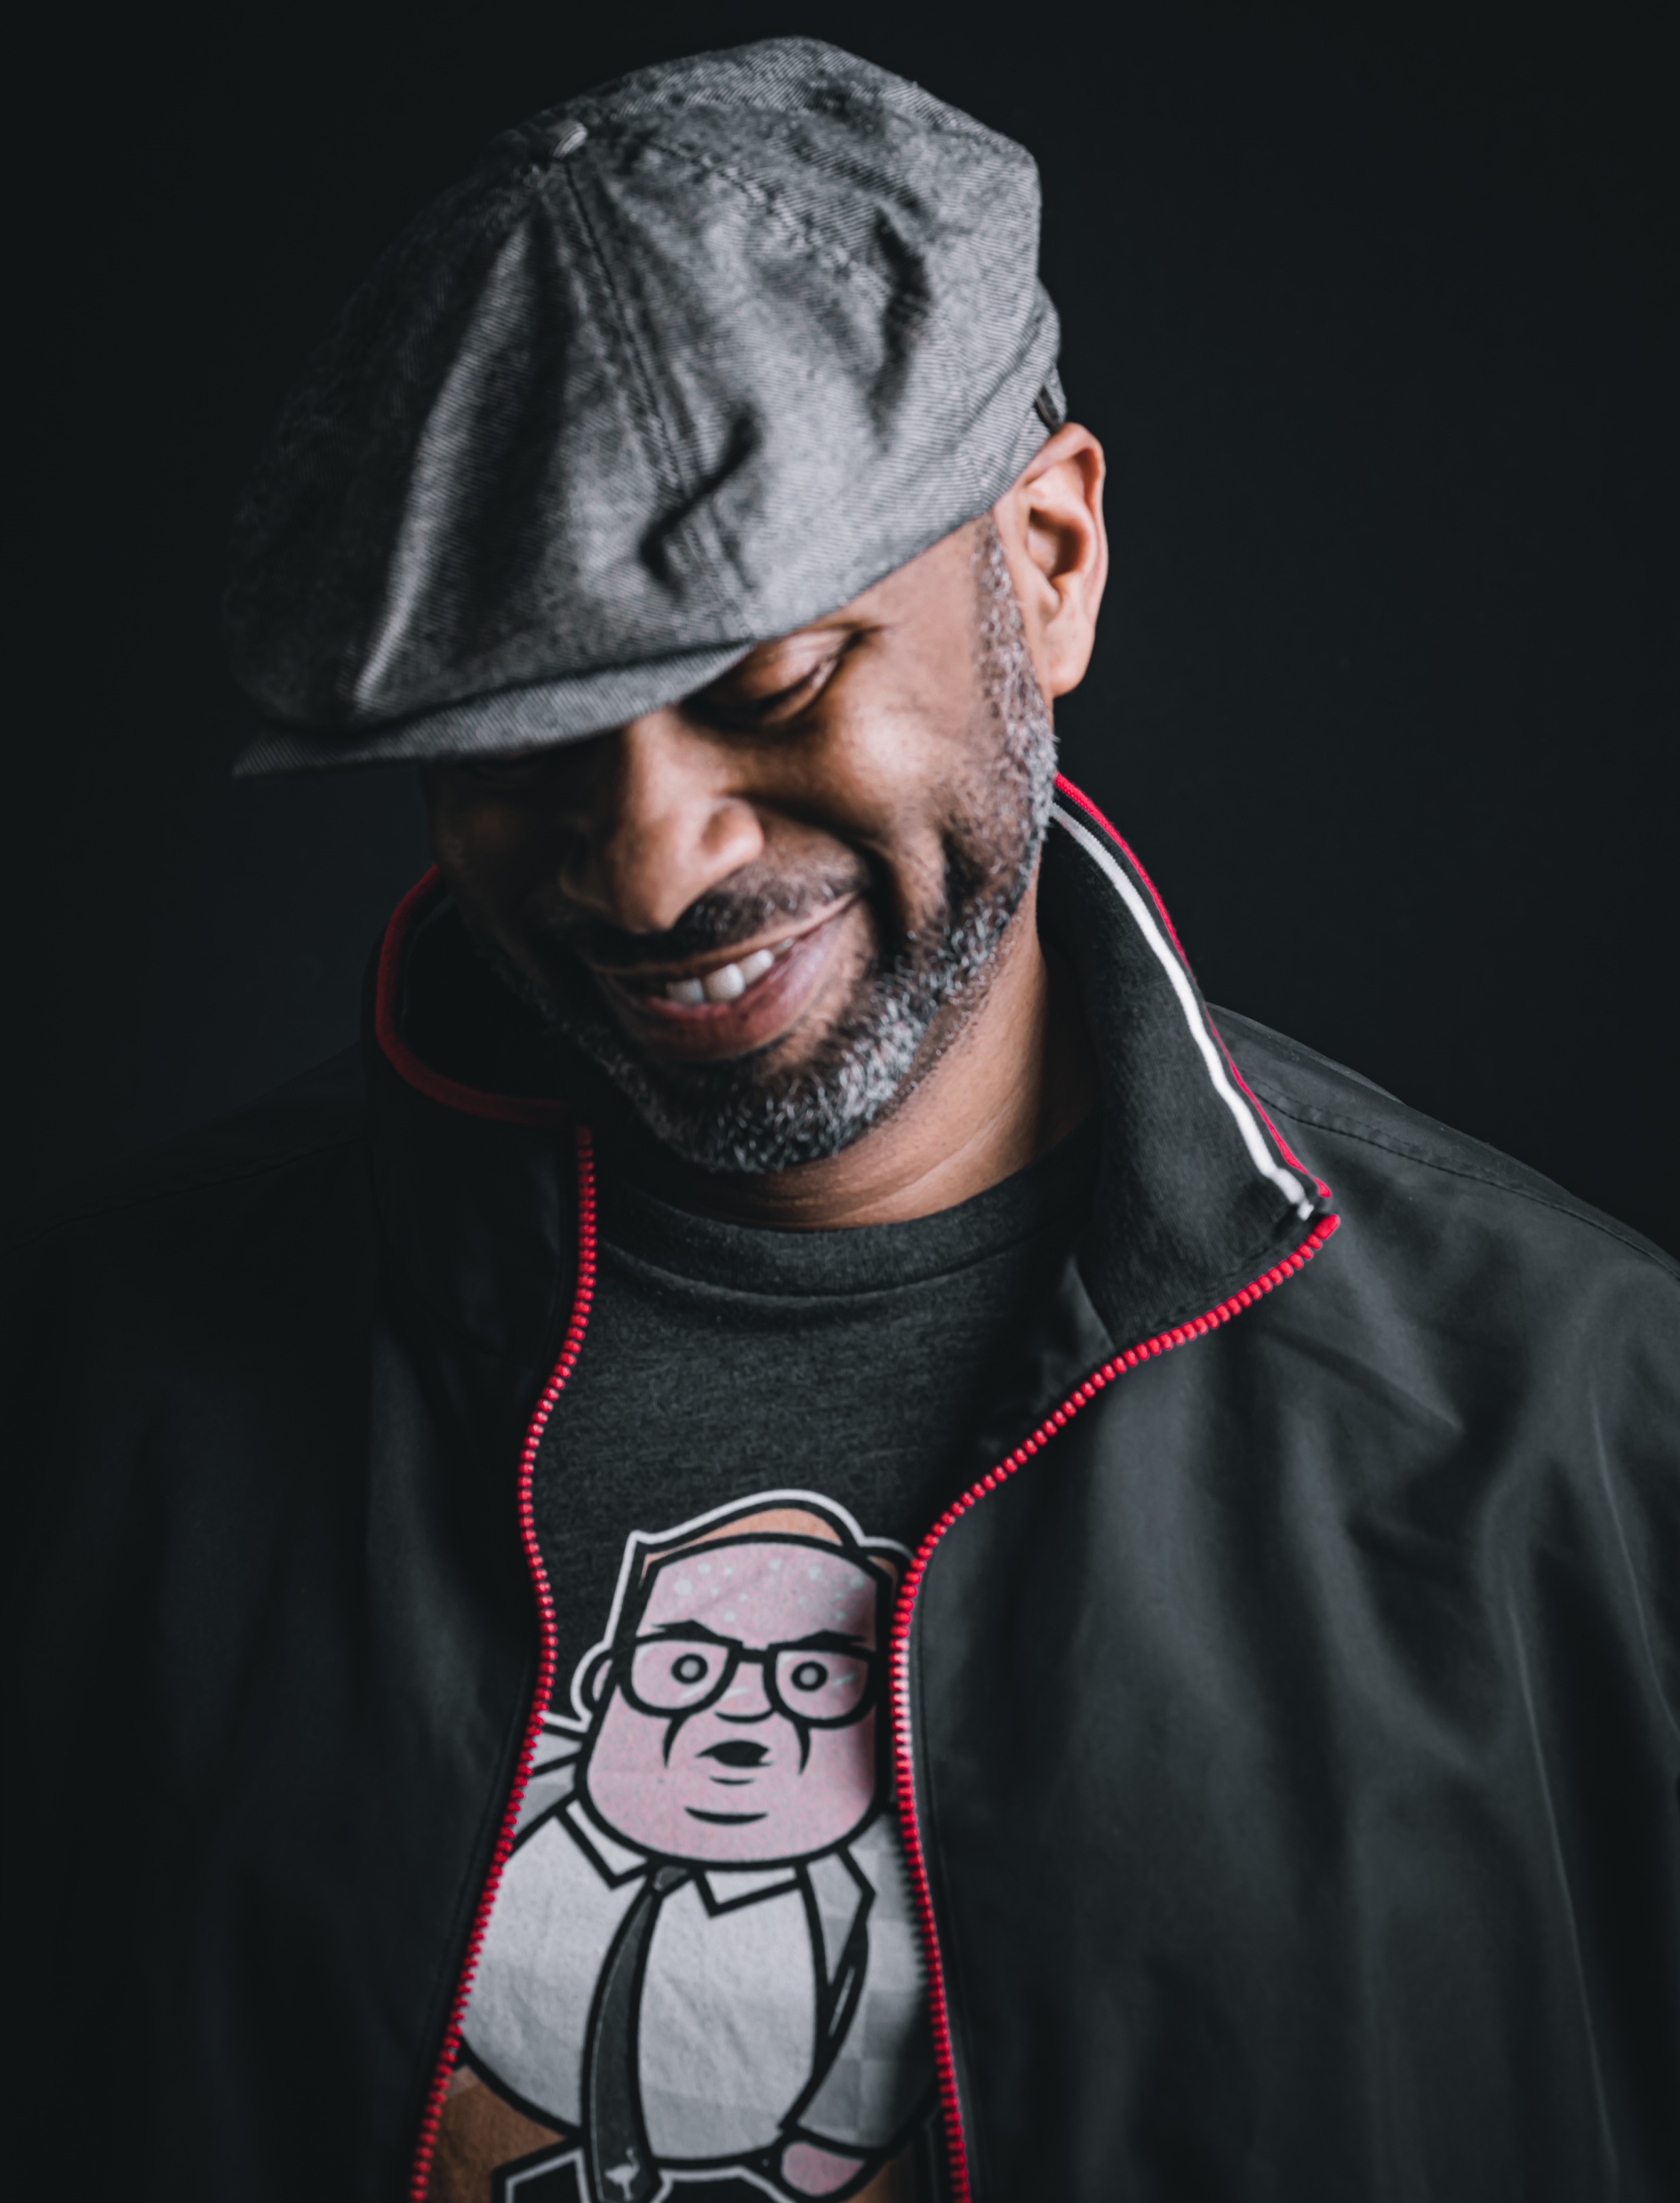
(1163, 1343)
(583, 1296)
(572, 1346)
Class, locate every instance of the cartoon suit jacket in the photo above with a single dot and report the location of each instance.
(773, 1995)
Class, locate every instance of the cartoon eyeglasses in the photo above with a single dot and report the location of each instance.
(821, 1681)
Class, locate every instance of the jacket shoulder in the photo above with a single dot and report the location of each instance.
(1353, 1114)
(309, 1118)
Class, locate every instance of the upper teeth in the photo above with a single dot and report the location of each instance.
(725, 984)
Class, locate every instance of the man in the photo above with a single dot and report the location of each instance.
(804, 1385)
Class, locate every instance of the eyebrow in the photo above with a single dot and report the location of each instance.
(819, 1640)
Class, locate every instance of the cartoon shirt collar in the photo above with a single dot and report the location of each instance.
(724, 1886)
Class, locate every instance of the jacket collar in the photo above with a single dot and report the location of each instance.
(1197, 1192)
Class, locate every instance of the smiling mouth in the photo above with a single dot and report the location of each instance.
(722, 978)
(722, 983)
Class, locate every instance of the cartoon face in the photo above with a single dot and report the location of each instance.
(737, 1714)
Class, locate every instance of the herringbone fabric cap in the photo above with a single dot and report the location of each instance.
(683, 364)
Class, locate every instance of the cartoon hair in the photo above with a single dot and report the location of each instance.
(809, 1522)
(753, 1519)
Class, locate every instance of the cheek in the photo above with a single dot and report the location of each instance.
(889, 782)
(897, 763)
(627, 1745)
(838, 1786)
(492, 852)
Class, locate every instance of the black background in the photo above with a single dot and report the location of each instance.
(1374, 311)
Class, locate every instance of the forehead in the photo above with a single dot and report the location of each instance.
(763, 1591)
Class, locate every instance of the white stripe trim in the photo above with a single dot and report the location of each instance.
(1252, 1137)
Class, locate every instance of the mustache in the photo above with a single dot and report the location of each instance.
(716, 920)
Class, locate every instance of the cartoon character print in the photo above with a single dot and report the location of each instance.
(702, 1965)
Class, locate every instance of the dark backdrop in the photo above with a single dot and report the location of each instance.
(1376, 320)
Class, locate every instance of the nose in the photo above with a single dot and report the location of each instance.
(746, 1699)
(658, 824)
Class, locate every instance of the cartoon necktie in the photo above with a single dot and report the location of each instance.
(621, 2164)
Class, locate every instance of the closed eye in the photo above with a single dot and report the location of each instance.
(736, 705)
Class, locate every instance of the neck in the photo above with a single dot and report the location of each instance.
(1016, 1078)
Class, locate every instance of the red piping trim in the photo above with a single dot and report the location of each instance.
(903, 1762)
(1066, 787)
(548, 1655)
(506, 1108)
(1284, 1148)
(521, 1110)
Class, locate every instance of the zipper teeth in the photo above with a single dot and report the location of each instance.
(903, 1769)
(583, 1296)
(569, 1350)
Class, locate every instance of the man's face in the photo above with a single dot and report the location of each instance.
(739, 1725)
(765, 912)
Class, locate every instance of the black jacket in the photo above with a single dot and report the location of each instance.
(1288, 1711)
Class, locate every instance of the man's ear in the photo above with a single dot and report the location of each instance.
(1051, 522)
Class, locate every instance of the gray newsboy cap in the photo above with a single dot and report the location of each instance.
(682, 365)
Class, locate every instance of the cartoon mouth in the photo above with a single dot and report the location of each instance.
(727, 1820)
(742, 1754)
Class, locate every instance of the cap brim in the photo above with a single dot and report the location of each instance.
(535, 718)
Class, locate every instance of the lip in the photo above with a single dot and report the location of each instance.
(715, 1031)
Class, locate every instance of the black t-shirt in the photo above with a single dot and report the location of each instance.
(723, 1359)
(704, 1957)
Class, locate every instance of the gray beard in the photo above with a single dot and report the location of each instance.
(744, 1117)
